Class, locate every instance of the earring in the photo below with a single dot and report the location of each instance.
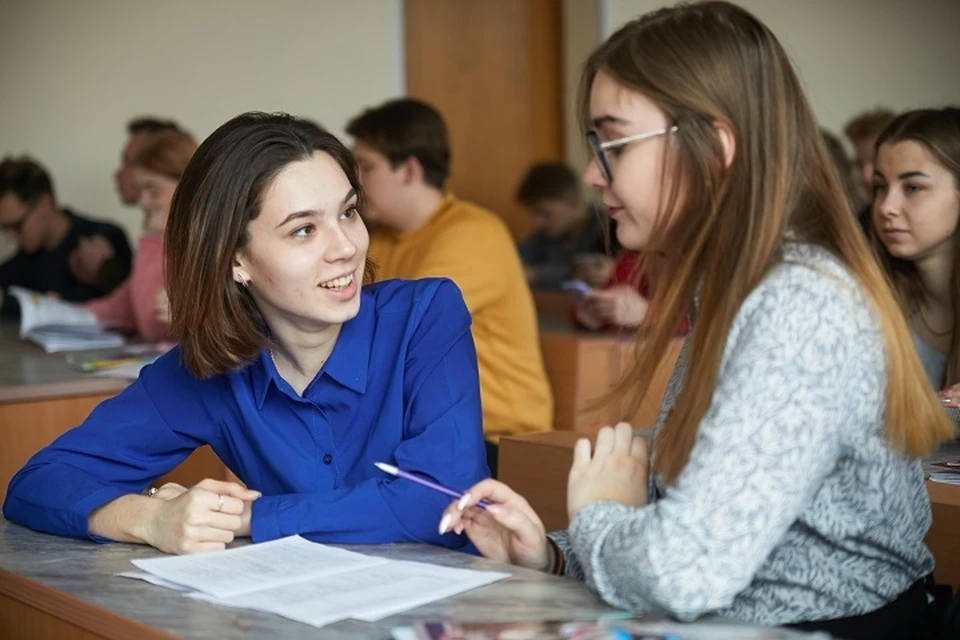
(243, 282)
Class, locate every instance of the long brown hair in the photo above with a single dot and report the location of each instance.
(216, 320)
(938, 130)
(714, 62)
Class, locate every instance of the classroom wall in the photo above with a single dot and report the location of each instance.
(73, 73)
(854, 54)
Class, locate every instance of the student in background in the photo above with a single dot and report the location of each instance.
(568, 232)
(132, 307)
(94, 261)
(423, 231)
(139, 133)
(298, 378)
(784, 485)
(862, 131)
(915, 217)
(622, 302)
(46, 235)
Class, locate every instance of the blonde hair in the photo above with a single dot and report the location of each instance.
(714, 62)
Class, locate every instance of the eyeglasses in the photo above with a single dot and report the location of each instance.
(600, 148)
(17, 227)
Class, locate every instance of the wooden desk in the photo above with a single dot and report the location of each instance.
(66, 589)
(544, 485)
(583, 366)
(553, 304)
(41, 398)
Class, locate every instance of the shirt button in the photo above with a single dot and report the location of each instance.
(327, 459)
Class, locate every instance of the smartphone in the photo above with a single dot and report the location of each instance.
(576, 288)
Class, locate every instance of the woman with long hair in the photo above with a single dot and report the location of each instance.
(785, 486)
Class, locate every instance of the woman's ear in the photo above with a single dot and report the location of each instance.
(240, 275)
(727, 140)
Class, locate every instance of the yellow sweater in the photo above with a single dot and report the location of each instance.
(472, 247)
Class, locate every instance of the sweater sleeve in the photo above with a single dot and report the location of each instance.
(772, 434)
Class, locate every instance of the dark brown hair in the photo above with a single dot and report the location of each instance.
(25, 178)
(215, 319)
(167, 154)
(868, 125)
(843, 164)
(938, 130)
(548, 181)
(407, 128)
(714, 62)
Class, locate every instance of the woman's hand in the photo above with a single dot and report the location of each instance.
(616, 471)
(205, 517)
(621, 306)
(950, 397)
(508, 530)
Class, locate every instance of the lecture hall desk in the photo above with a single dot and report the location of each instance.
(41, 397)
(544, 485)
(583, 366)
(66, 589)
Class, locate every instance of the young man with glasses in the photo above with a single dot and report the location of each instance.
(45, 234)
(403, 155)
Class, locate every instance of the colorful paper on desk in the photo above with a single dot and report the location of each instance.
(600, 630)
(60, 326)
(311, 583)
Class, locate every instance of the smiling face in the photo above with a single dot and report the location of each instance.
(634, 196)
(307, 247)
(916, 202)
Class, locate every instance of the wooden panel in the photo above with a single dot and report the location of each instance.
(494, 70)
(26, 427)
(31, 610)
(583, 367)
(543, 484)
(944, 536)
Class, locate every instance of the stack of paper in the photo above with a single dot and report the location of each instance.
(307, 582)
(60, 326)
(947, 472)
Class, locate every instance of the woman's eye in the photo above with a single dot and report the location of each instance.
(303, 231)
(350, 213)
(912, 188)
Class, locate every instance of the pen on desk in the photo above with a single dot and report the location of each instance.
(394, 471)
(97, 365)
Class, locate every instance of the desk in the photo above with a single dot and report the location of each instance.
(59, 588)
(41, 397)
(544, 485)
(583, 366)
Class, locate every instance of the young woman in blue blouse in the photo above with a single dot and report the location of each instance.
(299, 378)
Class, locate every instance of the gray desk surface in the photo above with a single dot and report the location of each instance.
(85, 570)
(28, 373)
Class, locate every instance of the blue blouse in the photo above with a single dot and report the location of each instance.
(401, 386)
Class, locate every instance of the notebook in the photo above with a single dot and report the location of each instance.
(60, 326)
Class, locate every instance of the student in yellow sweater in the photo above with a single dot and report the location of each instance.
(422, 231)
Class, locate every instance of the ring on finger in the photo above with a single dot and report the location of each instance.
(219, 502)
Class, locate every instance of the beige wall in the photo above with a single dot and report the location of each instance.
(854, 54)
(73, 72)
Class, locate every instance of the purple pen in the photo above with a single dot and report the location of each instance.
(392, 470)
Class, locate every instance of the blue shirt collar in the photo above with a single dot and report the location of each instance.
(347, 364)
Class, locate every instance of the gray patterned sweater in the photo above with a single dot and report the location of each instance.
(792, 507)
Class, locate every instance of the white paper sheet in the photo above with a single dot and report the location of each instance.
(310, 583)
(224, 574)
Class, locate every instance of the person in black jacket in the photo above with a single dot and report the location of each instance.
(46, 234)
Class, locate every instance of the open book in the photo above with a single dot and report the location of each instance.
(308, 582)
(60, 326)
